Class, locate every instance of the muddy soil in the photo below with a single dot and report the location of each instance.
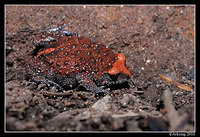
(155, 40)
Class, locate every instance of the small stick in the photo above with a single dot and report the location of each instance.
(40, 95)
(56, 93)
(181, 86)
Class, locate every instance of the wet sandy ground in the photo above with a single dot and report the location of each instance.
(155, 40)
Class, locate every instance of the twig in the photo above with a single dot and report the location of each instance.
(56, 93)
(181, 86)
(41, 95)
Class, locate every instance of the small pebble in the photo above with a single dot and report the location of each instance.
(125, 100)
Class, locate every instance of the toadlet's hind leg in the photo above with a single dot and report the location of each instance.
(60, 88)
(33, 74)
(88, 84)
(40, 79)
